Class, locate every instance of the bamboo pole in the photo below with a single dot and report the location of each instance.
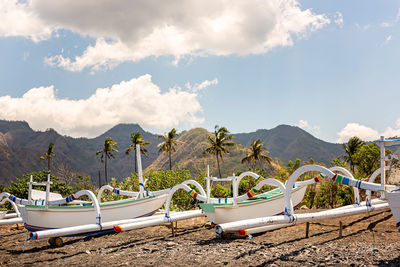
(123, 225)
(173, 218)
(11, 215)
(297, 218)
(11, 221)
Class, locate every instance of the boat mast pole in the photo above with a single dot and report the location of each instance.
(235, 187)
(47, 191)
(139, 163)
(30, 189)
(383, 177)
(208, 185)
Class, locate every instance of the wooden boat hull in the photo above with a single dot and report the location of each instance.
(37, 218)
(224, 213)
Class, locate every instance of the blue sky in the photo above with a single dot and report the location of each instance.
(329, 67)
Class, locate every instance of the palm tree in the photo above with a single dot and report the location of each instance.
(350, 149)
(291, 167)
(257, 152)
(137, 139)
(219, 143)
(168, 146)
(48, 155)
(106, 153)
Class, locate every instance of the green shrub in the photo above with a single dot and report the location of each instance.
(321, 197)
(158, 180)
(82, 183)
(328, 194)
(219, 191)
(345, 195)
(19, 188)
(246, 184)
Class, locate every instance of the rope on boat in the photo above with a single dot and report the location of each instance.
(292, 217)
(319, 178)
(13, 198)
(167, 218)
(347, 181)
(193, 193)
(145, 189)
(252, 192)
(116, 191)
(259, 179)
(70, 198)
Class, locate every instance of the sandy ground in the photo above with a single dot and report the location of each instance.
(368, 239)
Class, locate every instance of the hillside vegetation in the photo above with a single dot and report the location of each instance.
(21, 147)
(290, 142)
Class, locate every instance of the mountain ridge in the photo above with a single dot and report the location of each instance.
(21, 147)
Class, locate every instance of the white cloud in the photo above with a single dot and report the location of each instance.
(366, 133)
(135, 101)
(313, 129)
(339, 19)
(135, 30)
(386, 24)
(198, 87)
(102, 55)
(355, 129)
(18, 19)
(388, 39)
(393, 132)
(391, 23)
(26, 56)
(302, 124)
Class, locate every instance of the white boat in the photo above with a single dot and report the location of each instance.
(37, 217)
(46, 210)
(252, 205)
(262, 205)
(391, 193)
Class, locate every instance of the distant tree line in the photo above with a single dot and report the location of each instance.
(219, 143)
